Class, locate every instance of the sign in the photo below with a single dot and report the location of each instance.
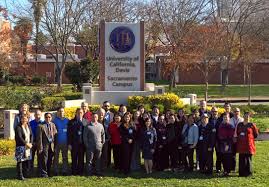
(122, 56)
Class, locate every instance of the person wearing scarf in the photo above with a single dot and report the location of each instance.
(24, 140)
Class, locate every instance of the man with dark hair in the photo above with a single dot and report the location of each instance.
(75, 142)
(155, 115)
(34, 124)
(108, 118)
(45, 138)
(61, 142)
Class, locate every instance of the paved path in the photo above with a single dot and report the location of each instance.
(255, 100)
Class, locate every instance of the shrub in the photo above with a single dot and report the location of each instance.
(70, 112)
(38, 80)
(7, 147)
(16, 79)
(70, 95)
(51, 103)
(167, 100)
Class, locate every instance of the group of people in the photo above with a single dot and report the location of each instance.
(167, 141)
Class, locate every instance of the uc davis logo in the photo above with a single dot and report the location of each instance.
(122, 39)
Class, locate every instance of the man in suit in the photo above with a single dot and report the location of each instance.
(46, 133)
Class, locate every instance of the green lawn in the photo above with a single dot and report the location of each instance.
(260, 178)
(215, 91)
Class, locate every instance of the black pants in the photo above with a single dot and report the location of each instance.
(45, 161)
(188, 158)
(93, 160)
(162, 159)
(109, 149)
(245, 165)
(77, 155)
(218, 161)
(180, 156)
(233, 157)
(172, 154)
(126, 152)
(205, 160)
(34, 153)
(23, 168)
(227, 159)
(116, 155)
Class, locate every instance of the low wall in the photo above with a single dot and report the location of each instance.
(9, 116)
(73, 103)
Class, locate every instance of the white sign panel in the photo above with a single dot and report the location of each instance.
(122, 57)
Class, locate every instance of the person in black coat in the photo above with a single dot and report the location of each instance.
(206, 143)
(215, 121)
(75, 142)
(24, 140)
(161, 147)
(127, 132)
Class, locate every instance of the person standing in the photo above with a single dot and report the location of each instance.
(108, 118)
(172, 141)
(24, 139)
(61, 142)
(234, 121)
(246, 133)
(24, 110)
(136, 155)
(161, 147)
(206, 143)
(149, 145)
(94, 138)
(45, 138)
(75, 129)
(34, 124)
(225, 137)
(203, 110)
(127, 131)
(215, 121)
(155, 115)
(87, 113)
(181, 121)
(190, 135)
(115, 140)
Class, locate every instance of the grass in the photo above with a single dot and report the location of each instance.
(260, 177)
(262, 122)
(215, 91)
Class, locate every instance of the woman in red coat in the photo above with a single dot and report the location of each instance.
(114, 132)
(246, 133)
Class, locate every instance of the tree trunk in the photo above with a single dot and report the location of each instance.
(249, 85)
(36, 47)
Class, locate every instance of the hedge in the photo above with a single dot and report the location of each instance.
(51, 103)
(70, 95)
(7, 147)
(70, 112)
(164, 101)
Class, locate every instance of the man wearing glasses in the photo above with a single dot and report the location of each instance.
(46, 133)
(234, 121)
(215, 121)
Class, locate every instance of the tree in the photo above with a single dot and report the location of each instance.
(37, 6)
(23, 29)
(60, 20)
(208, 49)
(85, 71)
(177, 19)
(235, 16)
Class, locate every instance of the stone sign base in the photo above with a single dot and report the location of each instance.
(93, 96)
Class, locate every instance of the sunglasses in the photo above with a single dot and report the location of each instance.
(106, 106)
(47, 117)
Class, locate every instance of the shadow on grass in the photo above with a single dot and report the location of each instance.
(11, 173)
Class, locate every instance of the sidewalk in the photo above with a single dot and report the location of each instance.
(255, 100)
